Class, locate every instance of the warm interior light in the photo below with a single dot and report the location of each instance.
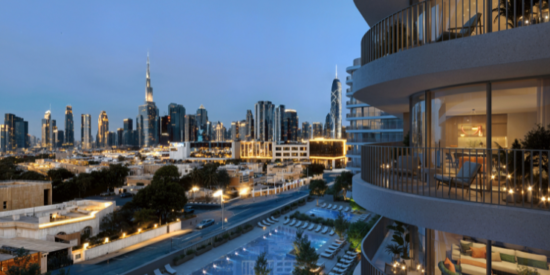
(511, 191)
(492, 177)
(139, 230)
(474, 128)
(543, 198)
(86, 245)
(123, 235)
(462, 135)
(530, 188)
(509, 176)
(155, 225)
(106, 240)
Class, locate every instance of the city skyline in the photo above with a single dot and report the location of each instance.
(111, 79)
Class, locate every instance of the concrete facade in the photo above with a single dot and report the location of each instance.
(24, 194)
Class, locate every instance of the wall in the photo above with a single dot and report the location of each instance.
(22, 194)
(113, 246)
(519, 124)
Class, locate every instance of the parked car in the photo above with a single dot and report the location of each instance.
(188, 210)
(205, 223)
(125, 195)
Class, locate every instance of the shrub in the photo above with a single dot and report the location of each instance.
(217, 239)
(247, 226)
(226, 236)
(177, 258)
(190, 252)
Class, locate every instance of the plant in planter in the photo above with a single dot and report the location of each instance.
(394, 250)
(190, 252)
(523, 270)
(225, 236)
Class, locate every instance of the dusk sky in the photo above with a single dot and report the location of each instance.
(226, 55)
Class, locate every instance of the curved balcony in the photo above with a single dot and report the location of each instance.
(435, 21)
(476, 192)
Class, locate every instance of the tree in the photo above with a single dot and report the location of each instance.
(261, 267)
(59, 174)
(342, 182)
(314, 169)
(357, 231)
(144, 217)
(22, 264)
(340, 225)
(223, 178)
(318, 187)
(164, 195)
(196, 177)
(306, 257)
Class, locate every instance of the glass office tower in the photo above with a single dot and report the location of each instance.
(86, 131)
(148, 116)
(177, 122)
(291, 125)
(69, 127)
(264, 121)
(336, 108)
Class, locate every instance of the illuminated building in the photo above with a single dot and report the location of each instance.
(148, 116)
(102, 130)
(329, 152)
(250, 125)
(177, 122)
(86, 131)
(59, 138)
(263, 129)
(69, 127)
(306, 130)
(47, 131)
(279, 125)
(119, 137)
(127, 138)
(3, 137)
(291, 125)
(317, 130)
(291, 151)
(234, 130)
(164, 130)
(243, 128)
(256, 150)
(190, 128)
(204, 151)
(202, 117)
(329, 126)
(219, 132)
(336, 108)
(16, 132)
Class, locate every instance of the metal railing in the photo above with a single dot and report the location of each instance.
(517, 178)
(443, 20)
(353, 102)
(397, 126)
(371, 244)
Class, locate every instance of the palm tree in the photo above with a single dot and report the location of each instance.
(306, 257)
(261, 267)
(340, 225)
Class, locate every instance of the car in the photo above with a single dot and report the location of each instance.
(205, 223)
(125, 195)
(188, 210)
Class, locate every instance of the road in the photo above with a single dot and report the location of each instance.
(236, 212)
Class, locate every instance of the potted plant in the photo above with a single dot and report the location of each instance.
(179, 259)
(394, 250)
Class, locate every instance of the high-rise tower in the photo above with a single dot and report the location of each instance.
(47, 131)
(148, 116)
(103, 130)
(263, 129)
(336, 107)
(69, 126)
(250, 125)
(86, 131)
(279, 126)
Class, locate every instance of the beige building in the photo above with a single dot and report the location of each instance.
(24, 194)
(284, 171)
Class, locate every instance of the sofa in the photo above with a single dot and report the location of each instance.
(519, 258)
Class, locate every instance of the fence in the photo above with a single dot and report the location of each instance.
(434, 21)
(516, 178)
(370, 245)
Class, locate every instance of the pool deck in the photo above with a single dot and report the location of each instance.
(212, 255)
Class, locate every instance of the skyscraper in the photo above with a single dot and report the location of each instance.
(103, 130)
(69, 126)
(127, 138)
(47, 131)
(317, 130)
(3, 137)
(164, 130)
(59, 138)
(177, 122)
(16, 132)
(190, 128)
(329, 126)
(148, 116)
(336, 108)
(306, 130)
(279, 127)
(235, 130)
(291, 125)
(86, 131)
(219, 132)
(250, 125)
(202, 117)
(243, 128)
(119, 137)
(263, 129)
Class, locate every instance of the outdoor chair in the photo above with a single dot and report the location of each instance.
(407, 165)
(318, 228)
(466, 30)
(346, 209)
(170, 270)
(325, 230)
(464, 178)
(292, 223)
(323, 205)
(305, 225)
(157, 272)
(286, 221)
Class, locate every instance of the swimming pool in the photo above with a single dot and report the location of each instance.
(277, 243)
(329, 214)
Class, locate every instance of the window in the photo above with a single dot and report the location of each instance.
(5, 204)
(78, 256)
(294, 148)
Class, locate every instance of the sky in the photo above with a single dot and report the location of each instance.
(226, 55)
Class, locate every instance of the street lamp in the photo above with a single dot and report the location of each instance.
(219, 193)
(194, 189)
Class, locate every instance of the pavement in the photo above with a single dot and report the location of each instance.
(236, 212)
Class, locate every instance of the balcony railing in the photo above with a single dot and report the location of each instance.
(505, 177)
(370, 246)
(443, 20)
(353, 102)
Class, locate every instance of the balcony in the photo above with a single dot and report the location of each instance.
(354, 102)
(438, 21)
(500, 187)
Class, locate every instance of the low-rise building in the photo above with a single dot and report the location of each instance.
(19, 194)
(282, 172)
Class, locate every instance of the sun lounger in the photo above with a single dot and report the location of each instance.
(266, 222)
(339, 241)
(305, 225)
(329, 206)
(336, 245)
(170, 270)
(298, 223)
(327, 255)
(331, 233)
(318, 228)
(340, 208)
(261, 225)
(323, 205)
(330, 250)
(311, 226)
(340, 270)
(335, 207)
(292, 223)
(347, 261)
(286, 221)
(343, 266)
(346, 209)
(325, 230)
(349, 257)
(274, 219)
(157, 272)
(351, 253)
